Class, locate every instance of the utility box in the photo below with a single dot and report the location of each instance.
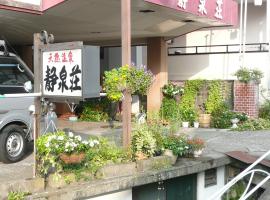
(70, 71)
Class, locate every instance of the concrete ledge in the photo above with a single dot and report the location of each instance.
(100, 187)
(29, 185)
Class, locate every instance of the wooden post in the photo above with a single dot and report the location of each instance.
(37, 83)
(126, 60)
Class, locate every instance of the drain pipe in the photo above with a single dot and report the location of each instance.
(241, 34)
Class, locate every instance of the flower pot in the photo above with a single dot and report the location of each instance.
(74, 158)
(204, 120)
(73, 118)
(196, 124)
(234, 122)
(170, 154)
(185, 124)
(197, 153)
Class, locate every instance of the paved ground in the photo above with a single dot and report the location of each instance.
(218, 142)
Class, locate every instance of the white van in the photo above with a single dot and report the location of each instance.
(15, 119)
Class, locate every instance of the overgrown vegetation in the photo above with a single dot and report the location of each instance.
(246, 75)
(96, 110)
(254, 125)
(17, 195)
(264, 111)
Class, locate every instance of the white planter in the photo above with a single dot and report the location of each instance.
(196, 124)
(135, 104)
(185, 124)
(73, 118)
(234, 122)
(197, 153)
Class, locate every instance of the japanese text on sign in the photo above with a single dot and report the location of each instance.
(62, 73)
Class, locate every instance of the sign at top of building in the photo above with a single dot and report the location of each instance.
(70, 70)
(224, 11)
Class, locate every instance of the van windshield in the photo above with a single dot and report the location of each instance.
(12, 73)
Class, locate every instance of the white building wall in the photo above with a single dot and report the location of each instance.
(124, 195)
(204, 193)
(222, 66)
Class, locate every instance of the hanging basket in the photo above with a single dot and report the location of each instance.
(74, 158)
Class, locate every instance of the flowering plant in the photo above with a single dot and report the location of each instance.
(61, 143)
(50, 146)
(136, 80)
(172, 90)
(178, 144)
(196, 144)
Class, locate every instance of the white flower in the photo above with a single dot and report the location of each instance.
(60, 137)
(96, 142)
(85, 142)
(70, 134)
(91, 144)
(47, 144)
(78, 138)
(56, 146)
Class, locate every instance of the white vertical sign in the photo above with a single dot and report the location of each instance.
(62, 73)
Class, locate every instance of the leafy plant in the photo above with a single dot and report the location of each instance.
(135, 80)
(178, 144)
(246, 75)
(95, 110)
(188, 115)
(253, 125)
(264, 111)
(170, 109)
(143, 142)
(214, 99)
(171, 90)
(17, 195)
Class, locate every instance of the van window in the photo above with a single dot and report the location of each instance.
(12, 73)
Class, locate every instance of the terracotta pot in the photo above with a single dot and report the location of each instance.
(204, 120)
(169, 153)
(74, 158)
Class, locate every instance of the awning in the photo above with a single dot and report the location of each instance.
(99, 22)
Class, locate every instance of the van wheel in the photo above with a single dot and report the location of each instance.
(12, 144)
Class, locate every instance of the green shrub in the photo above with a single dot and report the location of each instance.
(254, 125)
(96, 110)
(264, 111)
(170, 90)
(214, 100)
(17, 195)
(246, 75)
(178, 144)
(170, 109)
(143, 142)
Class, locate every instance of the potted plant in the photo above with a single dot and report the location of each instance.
(175, 146)
(188, 115)
(196, 145)
(135, 80)
(204, 117)
(246, 75)
(172, 91)
(143, 143)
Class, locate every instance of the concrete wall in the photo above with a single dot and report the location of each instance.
(204, 193)
(222, 66)
(125, 195)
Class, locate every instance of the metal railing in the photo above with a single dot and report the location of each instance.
(217, 49)
(248, 171)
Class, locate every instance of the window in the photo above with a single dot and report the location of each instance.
(12, 73)
(210, 177)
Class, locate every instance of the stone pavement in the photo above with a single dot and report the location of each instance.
(218, 142)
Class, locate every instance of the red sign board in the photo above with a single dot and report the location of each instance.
(225, 11)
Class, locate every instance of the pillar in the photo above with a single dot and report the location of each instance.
(157, 63)
(246, 98)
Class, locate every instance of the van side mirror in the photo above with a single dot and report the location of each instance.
(28, 86)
